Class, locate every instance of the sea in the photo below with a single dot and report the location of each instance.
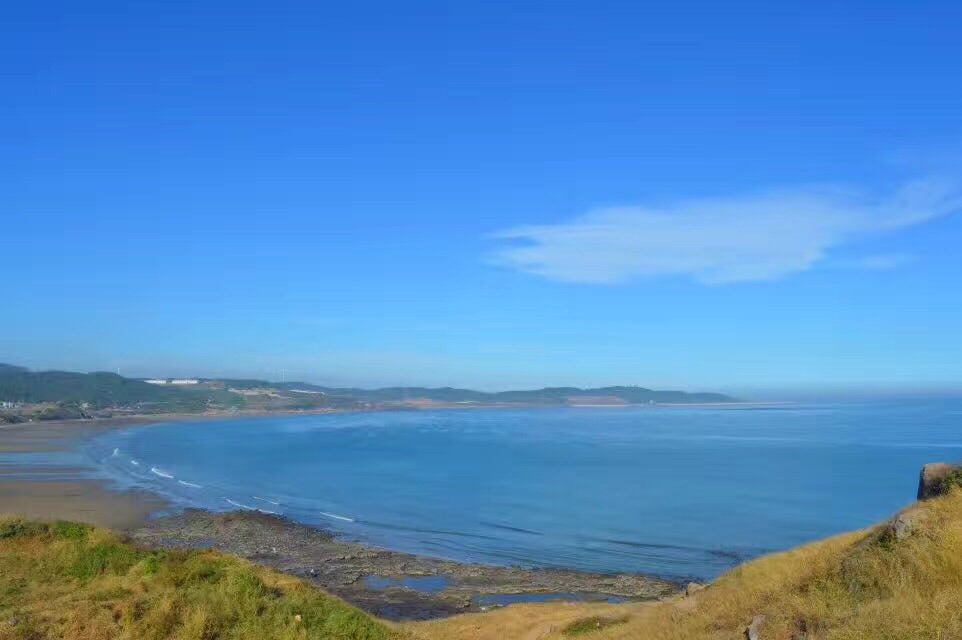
(677, 492)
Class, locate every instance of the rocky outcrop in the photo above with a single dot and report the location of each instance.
(753, 632)
(902, 525)
(899, 528)
(936, 478)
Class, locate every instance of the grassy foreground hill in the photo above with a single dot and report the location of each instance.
(71, 581)
(893, 582)
(899, 582)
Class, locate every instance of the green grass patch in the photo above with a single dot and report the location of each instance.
(101, 559)
(70, 581)
(70, 530)
(153, 563)
(592, 624)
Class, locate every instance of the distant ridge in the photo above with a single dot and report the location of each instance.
(548, 395)
(103, 390)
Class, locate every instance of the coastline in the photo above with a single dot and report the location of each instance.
(46, 484)
(40, 479)
(388, 584)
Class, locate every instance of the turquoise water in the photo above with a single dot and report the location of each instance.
(669, 491)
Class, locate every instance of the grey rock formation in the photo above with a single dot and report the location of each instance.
(753, 632)
(932, 479)
(902, 525)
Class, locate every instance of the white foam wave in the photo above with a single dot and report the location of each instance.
(249, 508)
(135, 463)
(116, 453)
(190, 484)
(266, 500)
(337, 517)
(161, 473)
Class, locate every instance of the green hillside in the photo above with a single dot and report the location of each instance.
(103, 390)
(75, 582)
(547, 396)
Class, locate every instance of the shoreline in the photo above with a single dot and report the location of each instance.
(47, 484)
(144, 419)
(389, 584)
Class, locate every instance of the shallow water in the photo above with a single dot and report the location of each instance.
(504, 599)
(427, 584)
(676, 492)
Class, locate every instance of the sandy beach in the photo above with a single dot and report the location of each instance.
(44, 486)
(49, 489)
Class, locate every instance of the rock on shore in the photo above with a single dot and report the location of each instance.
(933, 479)
(344, 568)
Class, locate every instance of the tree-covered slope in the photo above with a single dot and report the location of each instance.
(106, 390)
(102, 390)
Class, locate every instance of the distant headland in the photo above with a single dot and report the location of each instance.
(27, 395)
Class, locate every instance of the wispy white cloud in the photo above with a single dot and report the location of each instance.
(721, 240)
(877, 262)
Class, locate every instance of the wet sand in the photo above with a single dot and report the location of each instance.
(48, 488)
(80, 500)
(43, 485)
(49, 484)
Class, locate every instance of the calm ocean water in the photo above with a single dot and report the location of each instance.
(668, 491)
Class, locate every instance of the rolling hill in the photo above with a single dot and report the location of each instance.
(103, 390)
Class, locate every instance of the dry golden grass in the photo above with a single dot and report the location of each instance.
(520, 621)
(858, 586)
(71, 581)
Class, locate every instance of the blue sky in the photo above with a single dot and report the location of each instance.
(702, 195)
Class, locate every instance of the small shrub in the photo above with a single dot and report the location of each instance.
(593, 623)
(13, 529)
(153, 563)
(951, 480)
(19, 529)
(70, 530)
